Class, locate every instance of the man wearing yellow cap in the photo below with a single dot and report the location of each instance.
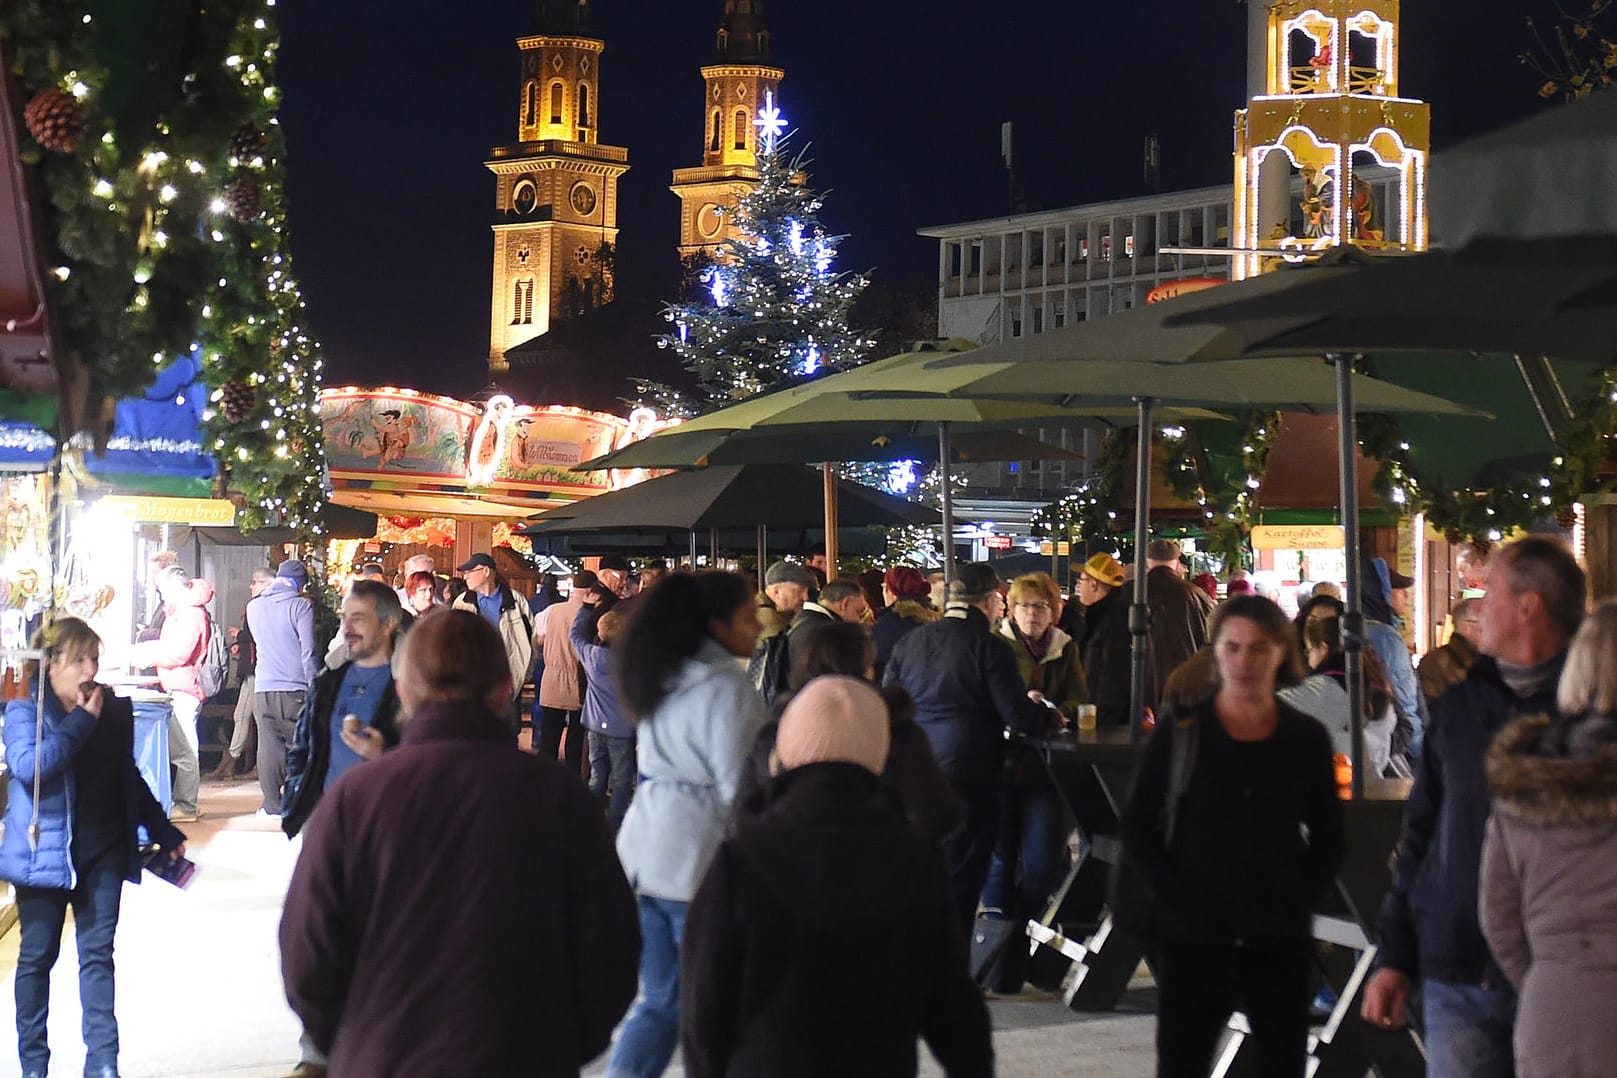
(1101, 627)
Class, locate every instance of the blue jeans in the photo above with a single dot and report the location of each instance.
(1027, 864)
(41, 913)
(612, 774)
(1468, 1030)
(651, 1032)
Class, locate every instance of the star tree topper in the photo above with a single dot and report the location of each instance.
(770, 123)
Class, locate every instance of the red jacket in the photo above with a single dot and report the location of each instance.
(183, 643)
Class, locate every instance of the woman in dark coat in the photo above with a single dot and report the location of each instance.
(1214, 827)
(91, 800)
(821, 888)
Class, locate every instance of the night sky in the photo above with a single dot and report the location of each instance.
(390, 111)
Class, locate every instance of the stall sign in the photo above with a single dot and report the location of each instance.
(997, 542)
(1298, 537)
(150, 509)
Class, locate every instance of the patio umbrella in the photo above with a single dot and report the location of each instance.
(811, 422)
(1007, 372)
(1545, 176)
(708, 500)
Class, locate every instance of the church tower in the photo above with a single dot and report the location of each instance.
(737, 82)
(555, 188)
(1328, 122)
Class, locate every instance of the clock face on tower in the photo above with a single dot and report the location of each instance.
(524, 197)
(709, 220)
(582, 199)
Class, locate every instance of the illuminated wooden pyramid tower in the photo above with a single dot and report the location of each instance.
(1329, 113)
(556, 188)
(737, 84)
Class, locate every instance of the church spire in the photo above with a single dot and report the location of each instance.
(743, 36)
(563, 17)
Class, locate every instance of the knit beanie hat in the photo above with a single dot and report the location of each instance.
(833, 719)
(906, 582)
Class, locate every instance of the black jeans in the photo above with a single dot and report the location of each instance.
(969, 849)
(552, 721)
(1199, 985)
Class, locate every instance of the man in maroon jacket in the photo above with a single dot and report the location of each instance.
(458, 907)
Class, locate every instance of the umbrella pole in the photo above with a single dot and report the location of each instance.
(830, 471)
(1139, 613)
(948, 507)
(693, 550)
(763, 554)
(1353, 617)
(713, 547)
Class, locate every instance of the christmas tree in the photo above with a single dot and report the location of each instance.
(157, 148)
(772, 306)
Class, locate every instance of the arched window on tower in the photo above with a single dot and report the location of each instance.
(522, 303)
(743, 122)
(716, 143)
(530, 109)
(763, 44)
(556, 93)
(724, 42)
(584, 105)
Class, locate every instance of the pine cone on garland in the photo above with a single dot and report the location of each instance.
(244, 198)
(248, 144)
(236, 400)
(1566, 517)
(55, 119)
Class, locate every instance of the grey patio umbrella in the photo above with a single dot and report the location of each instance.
(709, 500)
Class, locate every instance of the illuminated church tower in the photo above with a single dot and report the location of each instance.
(1330, 107)
(736, 85)
(556, 188)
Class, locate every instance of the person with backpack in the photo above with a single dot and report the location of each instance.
(1214, 836)
(180, 652)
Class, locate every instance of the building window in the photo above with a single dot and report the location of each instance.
(1060, 315)
(555, 102)
(1038, 320)
(1128, 246)
(742, 124)
(522, 303)
(1016, 327)
(717, 143)
(584, 104)
(530, 111)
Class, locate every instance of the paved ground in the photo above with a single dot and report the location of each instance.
(199, 992)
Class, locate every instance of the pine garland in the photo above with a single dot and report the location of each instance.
(148, 261)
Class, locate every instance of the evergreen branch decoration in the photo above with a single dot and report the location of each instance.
(166, 234)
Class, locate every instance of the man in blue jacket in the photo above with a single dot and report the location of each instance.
(967, 693)
(1429, 930)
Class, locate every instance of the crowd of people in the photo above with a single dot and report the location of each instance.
(739, 800)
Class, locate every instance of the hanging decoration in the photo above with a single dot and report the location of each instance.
(55, 120)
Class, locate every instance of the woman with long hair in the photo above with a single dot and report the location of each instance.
(1234, 829)
(1549, 864)
(1323, 694)
(681, 679)
(91, 801)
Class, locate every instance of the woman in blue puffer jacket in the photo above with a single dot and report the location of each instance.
(91, 801)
